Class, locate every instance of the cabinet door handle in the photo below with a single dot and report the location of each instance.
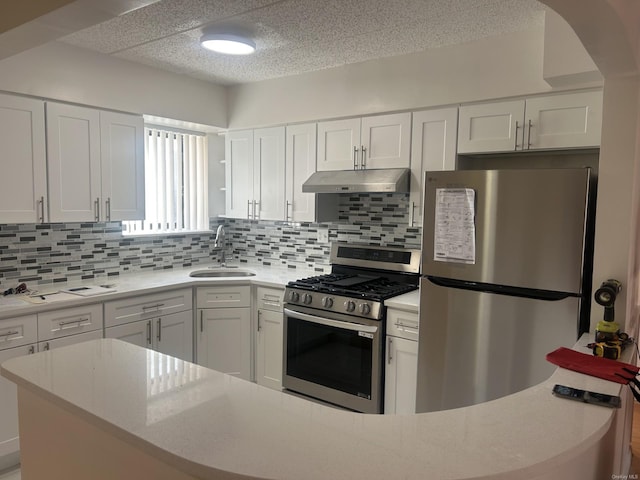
(159, 330)
(390, 356)
(73, 324)
(108, 208)
(404, 325)
(9, 333)
(255, 205)
(518, 128)
(529, 135)
(96, 205)
(149, 332)
(249, 209)
(41, 202)
(32, 349)
(355, 157)
(412, 210)
(46, 346)
(157, 306)
(363, 152)
(286, 213)
(259, 315)
(201, 321)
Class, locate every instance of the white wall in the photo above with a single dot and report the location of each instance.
(67, 73)
(510, 65)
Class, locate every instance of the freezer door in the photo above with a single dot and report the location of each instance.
(476, 346)
(527, 230)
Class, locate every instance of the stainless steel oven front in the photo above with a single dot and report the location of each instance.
(333, 357)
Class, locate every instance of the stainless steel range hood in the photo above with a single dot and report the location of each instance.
(388, 180)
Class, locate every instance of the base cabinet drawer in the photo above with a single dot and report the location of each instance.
(119, 312)
(70, 340)
(403, 324)
(18, 331)
(70, 321)
(224, 297)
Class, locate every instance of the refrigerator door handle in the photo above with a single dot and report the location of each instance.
(501, 289)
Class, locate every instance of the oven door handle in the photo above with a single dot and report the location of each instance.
(356, 327)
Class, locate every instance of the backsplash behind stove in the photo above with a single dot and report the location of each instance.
(52, 253)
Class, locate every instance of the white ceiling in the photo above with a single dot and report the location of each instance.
(298, 36)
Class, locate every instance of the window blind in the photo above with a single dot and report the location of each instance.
(176, 178)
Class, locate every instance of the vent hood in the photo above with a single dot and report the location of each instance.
(388, 180)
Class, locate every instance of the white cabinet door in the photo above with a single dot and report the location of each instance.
(138, 333)
(122, 166)
(300, 164)
(269, 349)
(9, 402)
(224, 340)
(339, 145)
(173, 335)
(269, 173)
(239, 173)
(386, 141)
(400, 376)
(563, 121)
(73, 153)
(433, 148)
(491, 127)
(23, 186)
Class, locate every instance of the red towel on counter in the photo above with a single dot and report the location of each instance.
(600, 367)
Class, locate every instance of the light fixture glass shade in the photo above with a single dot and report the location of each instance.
(229, 44)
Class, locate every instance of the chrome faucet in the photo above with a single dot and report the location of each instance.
(219, 244)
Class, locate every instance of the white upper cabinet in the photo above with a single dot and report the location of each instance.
(95, 164)
(122, 165)
(381, 141)
(433, 148)
(571, 120)
(300, 164)
(23, 186)
(255, 174)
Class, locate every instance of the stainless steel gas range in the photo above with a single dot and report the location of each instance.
(334, 325)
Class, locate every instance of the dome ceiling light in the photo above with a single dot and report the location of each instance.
(228, 44)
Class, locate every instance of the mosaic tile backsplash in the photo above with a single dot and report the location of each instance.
(52, 253)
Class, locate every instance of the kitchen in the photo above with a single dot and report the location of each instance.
(249, 98)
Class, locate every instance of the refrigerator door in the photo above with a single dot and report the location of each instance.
(476, 346)
(525, 228)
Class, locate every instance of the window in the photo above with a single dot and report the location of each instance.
(176, 196)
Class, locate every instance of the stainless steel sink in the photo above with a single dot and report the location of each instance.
(221, 273)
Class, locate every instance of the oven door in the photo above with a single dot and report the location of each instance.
(335, 358)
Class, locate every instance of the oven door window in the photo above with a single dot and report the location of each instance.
(330, 356)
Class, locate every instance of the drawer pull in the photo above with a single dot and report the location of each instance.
(9, 333)
(157, 306)
(404, 325)
(32, 349)
(73, 324)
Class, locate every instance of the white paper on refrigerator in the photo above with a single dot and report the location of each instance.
(455, 229)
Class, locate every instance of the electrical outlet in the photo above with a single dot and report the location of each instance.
(323, 236)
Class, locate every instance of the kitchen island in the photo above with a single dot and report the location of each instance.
(108, 409)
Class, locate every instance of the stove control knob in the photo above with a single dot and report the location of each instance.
(349, 306)
(364, 308)
(307, 299)
(327, 302)
(294, 296)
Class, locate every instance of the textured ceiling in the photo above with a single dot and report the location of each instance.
(298, 36)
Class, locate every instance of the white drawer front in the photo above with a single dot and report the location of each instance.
(224, 297)
(18, 331)
(142, 307)
(269, 298)
(69, 321)
(403, 324)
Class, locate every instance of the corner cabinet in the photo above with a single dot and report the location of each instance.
(162, 322)
(255, 174)
(23, 186)
(572, 120)
(380, 141)
(95, 164)
(223, 329)
(433, 148)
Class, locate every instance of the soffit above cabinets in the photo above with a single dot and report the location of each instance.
(298, 36)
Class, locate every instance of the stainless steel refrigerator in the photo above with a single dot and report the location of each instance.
(503, 280)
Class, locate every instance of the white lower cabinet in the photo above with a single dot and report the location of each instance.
(170, 334)
(269, 334)
(162, 322)
(223, 329)
(401, 367)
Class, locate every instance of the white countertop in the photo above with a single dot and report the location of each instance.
(204, 422)
(408, 301)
